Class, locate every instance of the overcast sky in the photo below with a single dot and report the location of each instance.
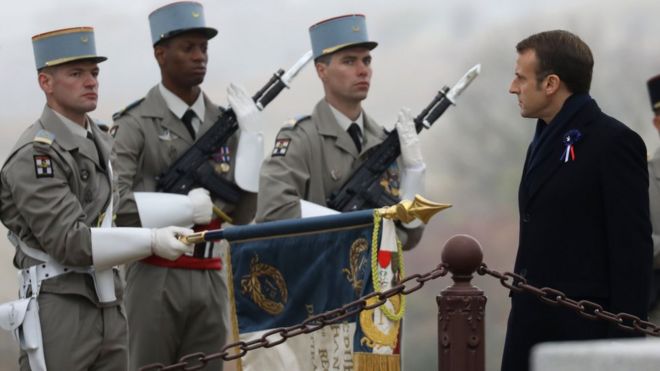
(256, 37)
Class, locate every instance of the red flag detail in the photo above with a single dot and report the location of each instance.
(384, 258)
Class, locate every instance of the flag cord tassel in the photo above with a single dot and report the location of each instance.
(374, 269)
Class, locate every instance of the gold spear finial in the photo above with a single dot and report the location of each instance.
(406, 211)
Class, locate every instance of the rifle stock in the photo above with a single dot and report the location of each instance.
(363, 189)
(192, 169)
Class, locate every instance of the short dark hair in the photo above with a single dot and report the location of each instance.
(324, 59)
(564, 54)
(49, 70)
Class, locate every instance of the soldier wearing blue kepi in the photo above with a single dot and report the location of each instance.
(57, 199)
(314, 155)
(187, 311)
(654, 198)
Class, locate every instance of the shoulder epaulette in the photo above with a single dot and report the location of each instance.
(121, 113)
(291, 123)
(44, 136)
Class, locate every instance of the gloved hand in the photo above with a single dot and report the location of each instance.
(414, 169)
(247, 113)
(411, 153)
(202, 205)
(165, 242)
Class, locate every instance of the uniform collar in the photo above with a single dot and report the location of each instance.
(344, 122)
(70, 137)
(52, 122)
(179, 107)
(371, 136)
(73, 126)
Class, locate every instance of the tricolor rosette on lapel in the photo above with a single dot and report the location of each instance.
(569, 140)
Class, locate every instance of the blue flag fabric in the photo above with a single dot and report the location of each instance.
(281, 280)
(284, 279)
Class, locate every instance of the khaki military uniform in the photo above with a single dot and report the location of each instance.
(54, 189)
(654, 198)
(313, 158)
(172, 312)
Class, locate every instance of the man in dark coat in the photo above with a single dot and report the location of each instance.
(583, 201)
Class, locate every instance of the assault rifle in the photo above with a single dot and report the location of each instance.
(363, 190)
(192, 169)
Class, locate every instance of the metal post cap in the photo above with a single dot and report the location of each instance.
(463, 254)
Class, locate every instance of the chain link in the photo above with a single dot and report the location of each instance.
(238, 349)
(585, 308)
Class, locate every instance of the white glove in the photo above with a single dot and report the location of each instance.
(250, 152)
(202, 206)
(414, 169)
(411, 153)
(165, 242)
(247, 113)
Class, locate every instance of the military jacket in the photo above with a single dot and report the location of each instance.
(310, 160)
(54, 188)
(149, 138)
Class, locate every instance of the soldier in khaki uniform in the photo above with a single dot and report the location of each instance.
(56, 200)
(149, 136)
(316, 154)
(654, 198)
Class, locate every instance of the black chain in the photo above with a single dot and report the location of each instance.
(277, 336)
(585, 308)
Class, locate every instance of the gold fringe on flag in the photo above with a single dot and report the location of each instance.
(376, 362)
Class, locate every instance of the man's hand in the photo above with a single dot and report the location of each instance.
(165, 242)
(247, 113)
(411, 153)
(202, 206)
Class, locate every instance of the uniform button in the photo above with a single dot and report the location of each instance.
(526, 218)
(84, 174)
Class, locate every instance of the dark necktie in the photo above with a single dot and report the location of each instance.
(98, 150)
(354, 132)
(187, 122)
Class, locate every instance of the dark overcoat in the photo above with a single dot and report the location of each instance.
(584, 229)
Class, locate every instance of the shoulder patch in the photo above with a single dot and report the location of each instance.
(43, 166)
(291, 123)
(121, 113)
(44, 136)
(281, 146)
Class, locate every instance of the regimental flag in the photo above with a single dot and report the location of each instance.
(309, 266)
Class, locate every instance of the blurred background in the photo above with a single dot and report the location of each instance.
(474, 153)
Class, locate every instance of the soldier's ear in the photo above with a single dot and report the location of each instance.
(159, 54)
(45, 79)
(321, 70)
